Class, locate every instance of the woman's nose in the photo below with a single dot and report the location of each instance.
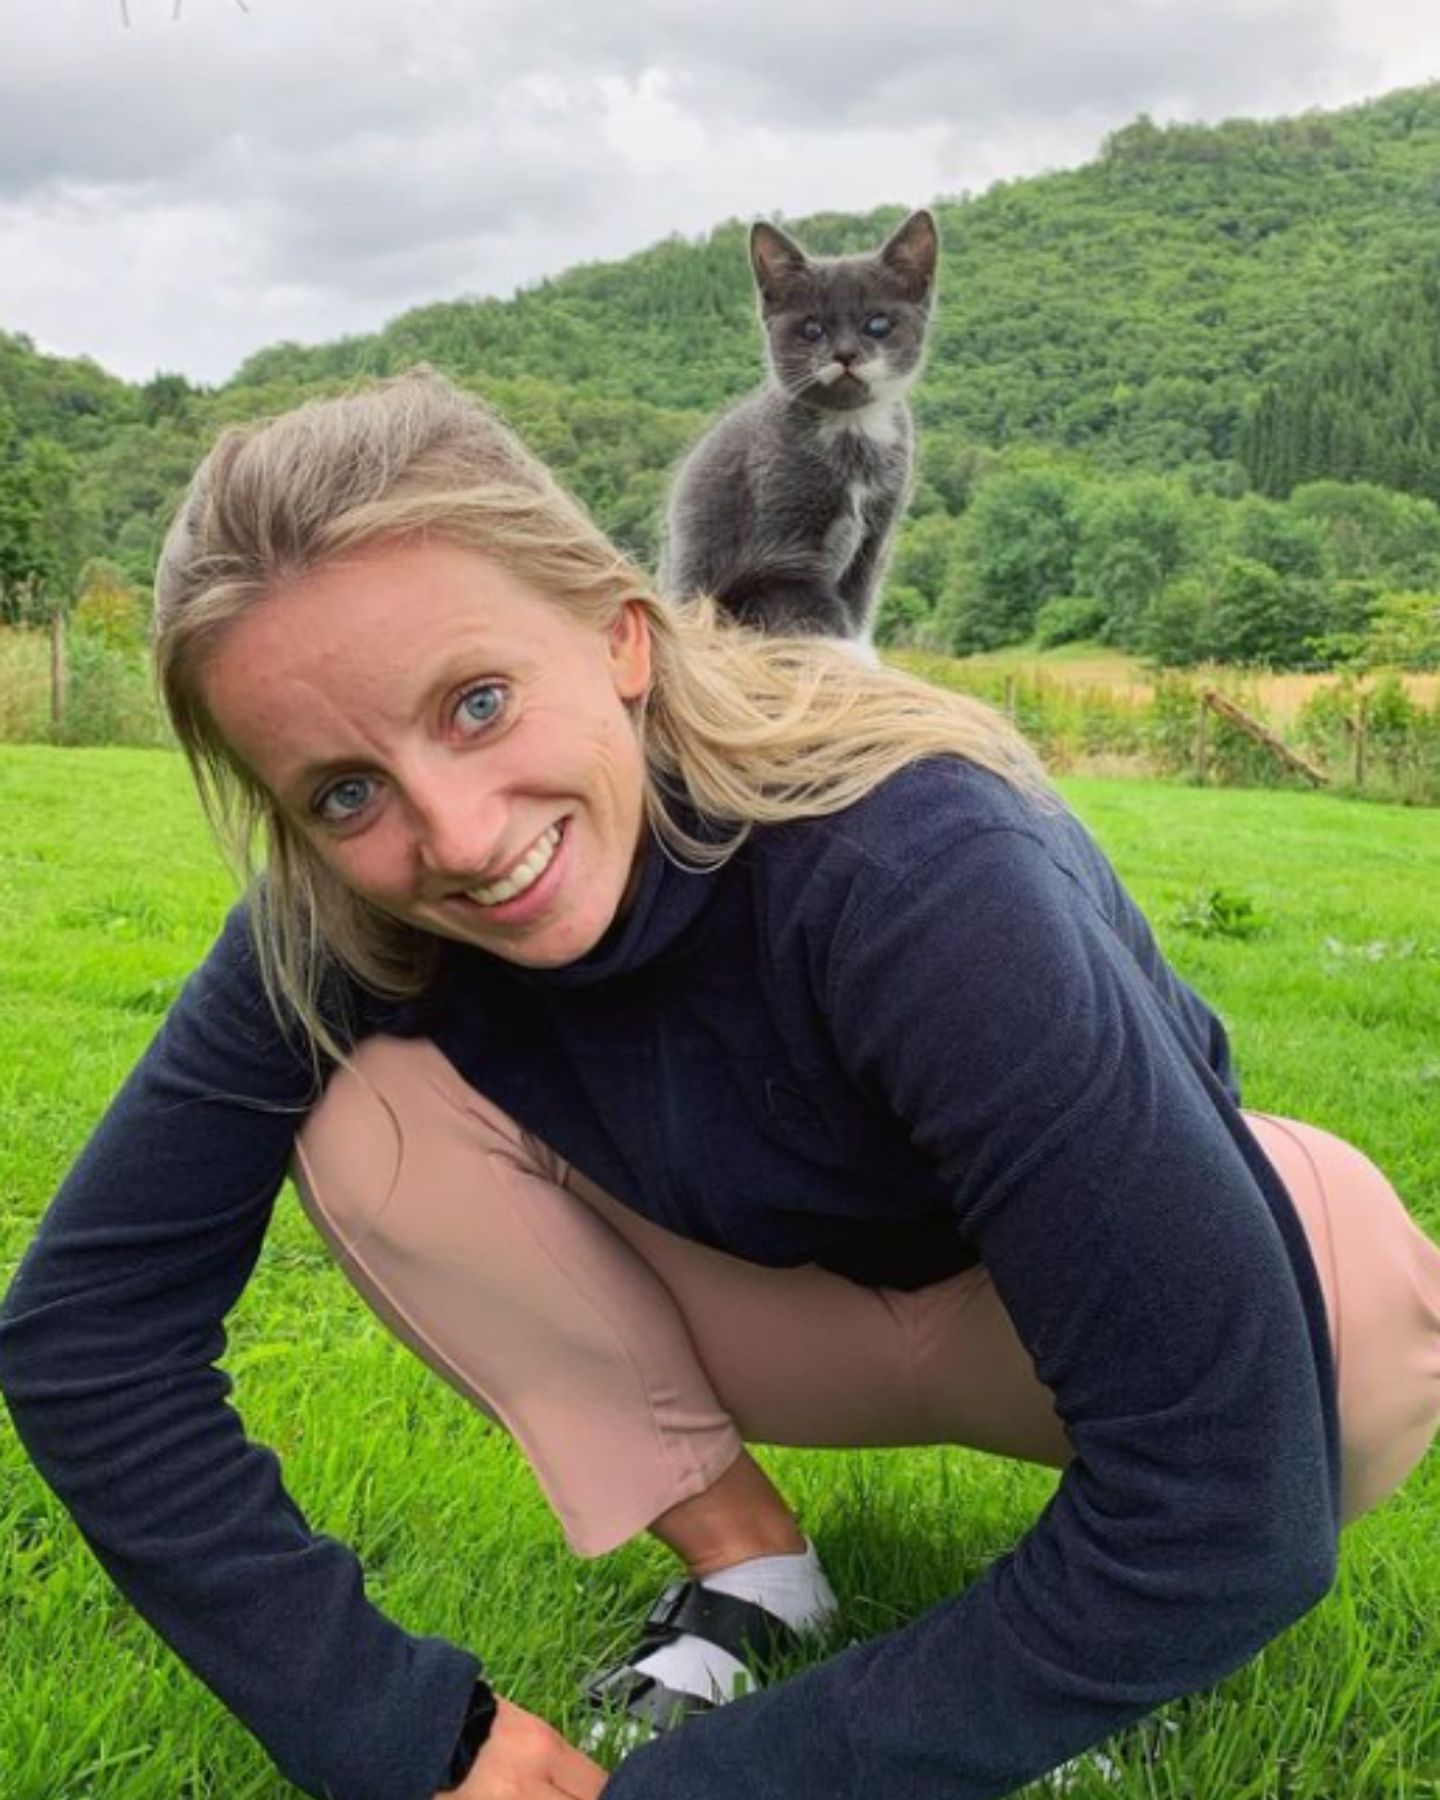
(459, 824)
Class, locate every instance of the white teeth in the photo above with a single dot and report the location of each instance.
(529, 872)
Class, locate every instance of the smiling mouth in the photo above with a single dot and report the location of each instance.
(523, 877)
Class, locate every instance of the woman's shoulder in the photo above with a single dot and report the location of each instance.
(227, 1011)
(924, 809)
(940, 827)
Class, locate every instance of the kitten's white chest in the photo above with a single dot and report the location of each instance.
(847, 530)
(881, 422)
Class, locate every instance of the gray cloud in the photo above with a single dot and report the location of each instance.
(82, 99)
(368, 211)
(312, 165)
(810, 63)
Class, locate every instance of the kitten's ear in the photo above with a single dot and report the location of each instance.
(775, 258)
(911, 250)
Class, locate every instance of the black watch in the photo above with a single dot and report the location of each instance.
(479, 1717)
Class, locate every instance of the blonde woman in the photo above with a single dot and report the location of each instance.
(686, 1039)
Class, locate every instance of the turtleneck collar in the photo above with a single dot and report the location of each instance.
(667, 900)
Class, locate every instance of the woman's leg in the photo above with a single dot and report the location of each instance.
(1381, 1279)
(630, 1364)
(444, 1217)
(829, 1363)
(459, 1231)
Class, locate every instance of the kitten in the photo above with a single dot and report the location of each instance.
(785, 509)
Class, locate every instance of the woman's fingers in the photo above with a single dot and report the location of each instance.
(526, 1759)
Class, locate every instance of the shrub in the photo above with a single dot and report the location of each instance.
(112, 616)
(1067, 620)
(111, 699)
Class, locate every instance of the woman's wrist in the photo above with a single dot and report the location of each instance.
(475, 1728)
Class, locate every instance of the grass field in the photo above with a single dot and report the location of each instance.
(1313, 925)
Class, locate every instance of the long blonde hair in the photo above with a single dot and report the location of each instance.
(746, 729)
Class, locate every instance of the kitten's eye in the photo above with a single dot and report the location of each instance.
(480, 706)
(812, 331)
(343, 800)
(879, 325)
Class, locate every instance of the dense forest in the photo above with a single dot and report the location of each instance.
(1185, 399)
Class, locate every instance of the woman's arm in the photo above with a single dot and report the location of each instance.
(1157, 1275)
(109, 1339)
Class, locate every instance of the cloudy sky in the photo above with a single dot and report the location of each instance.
(176, 191)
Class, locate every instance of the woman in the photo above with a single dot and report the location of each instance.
(721, 1042)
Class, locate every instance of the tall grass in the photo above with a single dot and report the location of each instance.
(109, 696)
(24, 686)
(1110, 726)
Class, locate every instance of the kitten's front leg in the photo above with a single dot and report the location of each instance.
(860, 582)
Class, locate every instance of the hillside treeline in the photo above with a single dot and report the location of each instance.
(1185, 398)
(1340, 575)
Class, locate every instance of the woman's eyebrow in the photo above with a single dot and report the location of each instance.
(477, 663)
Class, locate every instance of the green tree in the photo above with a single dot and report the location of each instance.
(1405, 632)
(1260, 615)
(1022, 532)
(1260, 530)
(904, 616)
(1136, 536)
(950, 468)
(107, 607)
(1373, 532)
(1178, 630)
(65, 525)
(25, 565)
(925, 549)
(1068, 620)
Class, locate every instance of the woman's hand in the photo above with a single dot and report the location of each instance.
(523, 1758)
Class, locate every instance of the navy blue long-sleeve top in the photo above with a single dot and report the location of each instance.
(927, 1031)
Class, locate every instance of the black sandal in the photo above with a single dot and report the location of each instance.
(746, 1629)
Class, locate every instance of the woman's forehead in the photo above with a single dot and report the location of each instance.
(369, 643)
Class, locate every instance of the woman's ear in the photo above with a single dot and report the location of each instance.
(629, 650)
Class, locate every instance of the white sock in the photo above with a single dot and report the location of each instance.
(792, 1587)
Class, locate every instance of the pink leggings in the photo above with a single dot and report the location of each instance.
(631, 1365)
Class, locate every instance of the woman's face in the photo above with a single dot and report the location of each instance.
(453, 745)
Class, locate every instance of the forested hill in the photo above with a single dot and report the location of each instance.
(1129, 306)
(1147, 312)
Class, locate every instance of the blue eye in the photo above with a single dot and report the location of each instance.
(879, 325)
(480, 705)
(344, 800)
(812, 331)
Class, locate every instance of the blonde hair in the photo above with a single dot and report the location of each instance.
(746, 729)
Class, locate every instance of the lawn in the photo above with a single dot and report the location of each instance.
(1312, 923)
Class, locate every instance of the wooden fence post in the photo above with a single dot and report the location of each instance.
(1201, 743)
(1361, 715)
(59, 674)
(1216, 702)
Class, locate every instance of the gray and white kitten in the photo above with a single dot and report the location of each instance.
(785, 509)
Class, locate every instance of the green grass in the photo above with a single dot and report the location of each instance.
(1312, 923)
